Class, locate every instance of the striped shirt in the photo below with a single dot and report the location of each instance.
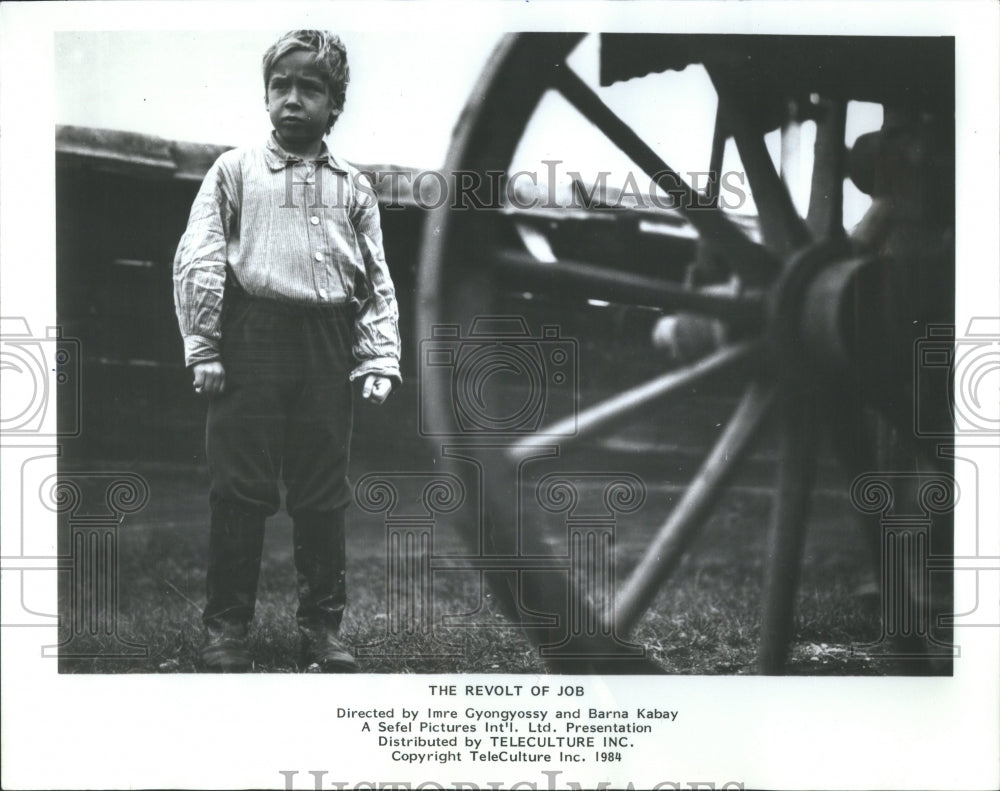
(301, 232)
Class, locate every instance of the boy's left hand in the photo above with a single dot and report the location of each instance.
(376, 388)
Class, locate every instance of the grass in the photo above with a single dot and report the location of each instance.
(161, 605)
(705, 620)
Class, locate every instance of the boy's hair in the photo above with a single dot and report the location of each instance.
(331, 57)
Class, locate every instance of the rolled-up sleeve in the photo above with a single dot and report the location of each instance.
(377, 346)
(200, 263)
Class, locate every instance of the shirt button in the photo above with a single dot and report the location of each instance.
(322, 293)
(314, 220)
(318, 256)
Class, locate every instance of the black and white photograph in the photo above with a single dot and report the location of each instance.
(500, 396)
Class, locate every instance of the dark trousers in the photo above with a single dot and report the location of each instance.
(286, 411)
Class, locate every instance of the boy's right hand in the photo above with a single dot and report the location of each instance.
(209, 378)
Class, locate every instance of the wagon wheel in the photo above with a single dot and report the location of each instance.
(782, 316)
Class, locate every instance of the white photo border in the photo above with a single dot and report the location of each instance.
(72, 731)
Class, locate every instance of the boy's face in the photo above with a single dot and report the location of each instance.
(298, 102)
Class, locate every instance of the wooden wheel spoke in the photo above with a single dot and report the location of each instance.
(715, 160)
(796, 470)
(826, 197)
(608, 414)
(595, 281)
(693, 508)
(783, 229)
(748, 258)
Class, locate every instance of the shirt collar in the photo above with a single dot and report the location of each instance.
(278, 159)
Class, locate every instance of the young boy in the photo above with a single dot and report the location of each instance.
(283, 298)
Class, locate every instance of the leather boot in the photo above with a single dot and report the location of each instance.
(320, 562)
(236, 541)
(225, 649)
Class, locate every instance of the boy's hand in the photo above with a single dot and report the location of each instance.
(209, 378)
(377, 388)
